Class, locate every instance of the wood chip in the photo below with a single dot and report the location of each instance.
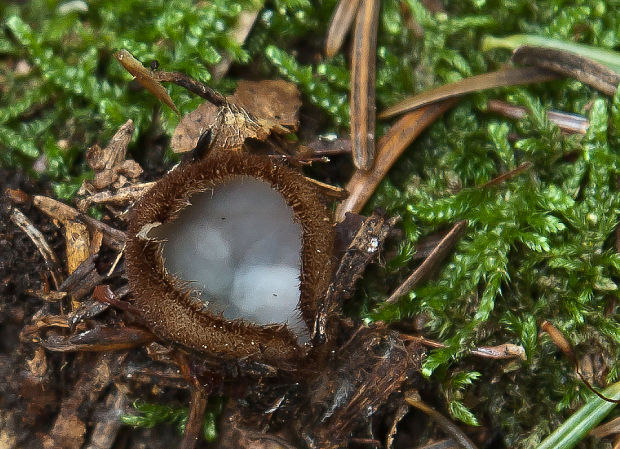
(116, 150)
(77, 244)
(112, 237)
(609, 428)
(108, 424)
(123, 196)
(363, 249)
(197, 407)
(69, 429)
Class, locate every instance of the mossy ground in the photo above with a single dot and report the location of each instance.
(539, 247)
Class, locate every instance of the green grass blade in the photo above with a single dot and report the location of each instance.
(582, 421)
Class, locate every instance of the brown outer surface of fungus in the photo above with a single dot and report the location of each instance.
(171, 309)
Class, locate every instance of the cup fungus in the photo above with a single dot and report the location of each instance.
(230, 256)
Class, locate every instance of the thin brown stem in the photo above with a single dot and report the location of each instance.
(430, 263)
(506, 176)
(197, 407)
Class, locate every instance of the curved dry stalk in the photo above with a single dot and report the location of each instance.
(363, 183)
(504, 77)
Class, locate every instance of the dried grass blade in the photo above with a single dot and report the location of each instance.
(570, 64)
(363, 108)
(362, 184)
(504, 77)
(144, 77)
(99, 339)
(506, 176)
(339, 25)
(575, 428)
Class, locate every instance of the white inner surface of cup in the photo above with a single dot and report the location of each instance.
(240, 248)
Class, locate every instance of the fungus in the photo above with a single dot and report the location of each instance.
(220, 250)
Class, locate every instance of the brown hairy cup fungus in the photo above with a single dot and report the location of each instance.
(229, 256)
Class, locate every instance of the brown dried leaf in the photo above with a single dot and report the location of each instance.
(192, 126)
(275, 100)
(254, 111)
(16, 196)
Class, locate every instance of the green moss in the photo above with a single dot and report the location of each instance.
(539, 247)
(148, 415)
